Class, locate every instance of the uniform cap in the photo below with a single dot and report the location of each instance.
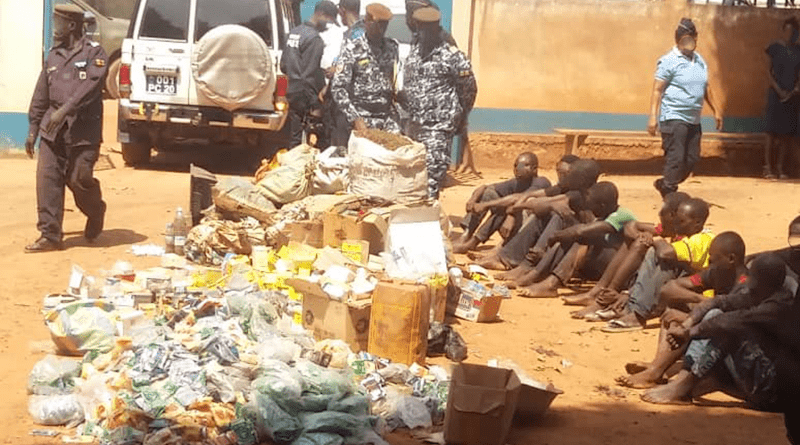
(427, 15)
(379, 12)
(69, 11)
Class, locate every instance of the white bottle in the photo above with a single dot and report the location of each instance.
(179, 230)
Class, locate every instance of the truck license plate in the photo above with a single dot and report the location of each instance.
(161, 84)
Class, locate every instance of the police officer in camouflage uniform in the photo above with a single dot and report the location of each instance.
(439, 91)
(67, 112)
(363, 86)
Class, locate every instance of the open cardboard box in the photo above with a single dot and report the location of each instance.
(327, 318)
(481, 405)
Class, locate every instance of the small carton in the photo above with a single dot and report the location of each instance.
(481, 405)
(338, 227)
(326, 318)
(478, 309)
(356, 250)
(306, 232)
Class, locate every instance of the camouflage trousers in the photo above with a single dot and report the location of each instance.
(437, 144)
(383, 123)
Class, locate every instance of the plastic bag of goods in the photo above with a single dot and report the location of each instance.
(388, 166)
(292, 180)
(82, 326)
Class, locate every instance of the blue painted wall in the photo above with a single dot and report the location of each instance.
(541, 121)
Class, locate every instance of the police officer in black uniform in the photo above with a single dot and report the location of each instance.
(301, 64)
(67, 112)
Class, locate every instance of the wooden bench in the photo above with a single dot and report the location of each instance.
(574, 138)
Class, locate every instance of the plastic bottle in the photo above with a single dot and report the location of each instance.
(180, 230)
(169, 239)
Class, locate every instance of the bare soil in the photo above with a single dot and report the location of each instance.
(537, 334)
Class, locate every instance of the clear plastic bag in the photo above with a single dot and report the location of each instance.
(274, 422)
(414, 413)
(356, 405)
(319, 439)
(56, 409)
(53, 375)
(318, 380)
(343, 424)
(278, 348)
(277, 380)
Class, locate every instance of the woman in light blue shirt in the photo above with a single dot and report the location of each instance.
(680, 87)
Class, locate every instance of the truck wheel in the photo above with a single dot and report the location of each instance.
(136, 153)
(112, 79)
(232, 66)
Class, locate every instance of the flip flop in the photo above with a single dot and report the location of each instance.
(593, 317)
(606, 314)
(617, 326)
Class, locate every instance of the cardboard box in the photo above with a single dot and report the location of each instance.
(438, 291)
(416, 244)
(356, 250)
(306, 232)
(346, 226)
(326, 318)
(480, 405)
(476, 309)
(399, 322)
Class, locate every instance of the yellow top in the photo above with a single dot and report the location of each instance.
(694, 249)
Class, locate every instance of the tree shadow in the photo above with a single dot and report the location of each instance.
(109, 238)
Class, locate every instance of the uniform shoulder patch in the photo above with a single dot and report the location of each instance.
(99, 62)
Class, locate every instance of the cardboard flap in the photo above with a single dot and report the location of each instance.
(474, 399)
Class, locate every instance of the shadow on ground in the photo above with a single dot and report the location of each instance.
(622, 422)
(109, 238)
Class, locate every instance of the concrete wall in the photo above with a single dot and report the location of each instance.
(547, 63)
(21, 43)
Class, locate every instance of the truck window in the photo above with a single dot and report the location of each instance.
(252, 14)
(122, 9)
(166, 19)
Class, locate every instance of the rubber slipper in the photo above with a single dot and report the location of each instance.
(616, 326)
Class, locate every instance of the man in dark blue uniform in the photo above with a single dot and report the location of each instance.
(301, 64)
(67, 112)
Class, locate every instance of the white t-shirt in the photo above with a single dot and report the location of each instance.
(332, 37)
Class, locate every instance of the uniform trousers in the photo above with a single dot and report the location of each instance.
(61, 165)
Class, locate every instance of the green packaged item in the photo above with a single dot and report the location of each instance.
(319, 439)
(343, 424)
(273, 422)
(356, 405)
(319, 380)
(245, 431)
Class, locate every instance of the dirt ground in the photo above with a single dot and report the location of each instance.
(537, 334)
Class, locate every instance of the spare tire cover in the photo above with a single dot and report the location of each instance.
(232, 66)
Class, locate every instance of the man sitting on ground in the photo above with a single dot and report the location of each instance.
(561, 205)
(726, 274)
(514, 219)
(790, 254)
(638, 238)
(588, 247)
(525, 179)
(744, 344)
(663, 262)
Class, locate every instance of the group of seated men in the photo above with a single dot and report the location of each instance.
(728, 322)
